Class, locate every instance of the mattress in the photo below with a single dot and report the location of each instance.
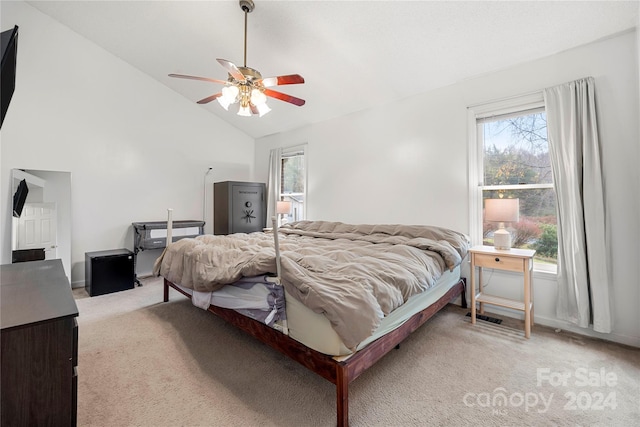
(314, 330)
(306, 326)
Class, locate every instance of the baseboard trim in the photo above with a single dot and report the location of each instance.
(566, 326)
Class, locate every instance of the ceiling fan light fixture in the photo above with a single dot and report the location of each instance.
(230, 93)
(223, 102)
(244, 111)
(229, 96)
(263, 109)
(257, 97)
(245, 85)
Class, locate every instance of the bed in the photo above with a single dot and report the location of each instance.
(334, 297)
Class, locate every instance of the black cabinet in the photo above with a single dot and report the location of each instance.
(108, 271)
(239, 207)
(39, 350)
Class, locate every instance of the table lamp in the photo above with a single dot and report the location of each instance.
(501, 211)
(282, 208)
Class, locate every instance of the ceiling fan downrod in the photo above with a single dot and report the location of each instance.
(247, 7)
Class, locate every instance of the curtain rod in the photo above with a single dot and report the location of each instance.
(533, 92)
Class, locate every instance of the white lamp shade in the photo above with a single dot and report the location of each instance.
(263, 109)
(244, 111)
(224, 102)
(257, 97)
(283, 207)
(502, 210)
(230, 93)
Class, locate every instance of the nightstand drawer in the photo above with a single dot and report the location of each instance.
(500, 262)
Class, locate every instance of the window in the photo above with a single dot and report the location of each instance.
(293, 181)
(511, 156)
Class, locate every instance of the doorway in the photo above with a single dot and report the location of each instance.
(37, 229)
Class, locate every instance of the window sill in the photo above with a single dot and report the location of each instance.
(545, 271)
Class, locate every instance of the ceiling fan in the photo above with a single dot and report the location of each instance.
(245, 85)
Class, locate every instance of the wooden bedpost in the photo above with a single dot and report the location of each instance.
(463, 295)
(166, 291)
(342, 395)
(168, 242)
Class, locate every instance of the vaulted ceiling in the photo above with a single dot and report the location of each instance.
(353, 55)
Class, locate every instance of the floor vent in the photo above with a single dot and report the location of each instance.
(486, 318)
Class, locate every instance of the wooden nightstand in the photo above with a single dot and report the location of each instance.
(519, 260)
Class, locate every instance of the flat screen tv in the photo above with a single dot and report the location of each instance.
(9, 44)
(19, 198)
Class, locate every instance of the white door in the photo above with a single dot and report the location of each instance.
(37, 228)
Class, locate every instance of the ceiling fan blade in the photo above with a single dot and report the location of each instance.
(291, 79)
(284, 97)
(232, 69)
(209, 98)
(204, 79)
(254, 109)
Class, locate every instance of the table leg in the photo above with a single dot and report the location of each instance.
(473, 291)
(531, 292)
(480, 288)
(527, 303)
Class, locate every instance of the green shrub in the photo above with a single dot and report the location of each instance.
(547, 245)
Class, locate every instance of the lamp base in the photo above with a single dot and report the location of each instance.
(502, 239)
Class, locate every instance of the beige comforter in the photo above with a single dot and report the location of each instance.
(354, 274)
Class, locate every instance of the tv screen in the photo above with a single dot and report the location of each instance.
(9, 45)
(19, 198)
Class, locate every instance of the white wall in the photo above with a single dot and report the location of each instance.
(134, 147)
(407, 163)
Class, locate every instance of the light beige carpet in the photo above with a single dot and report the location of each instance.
(147, 363)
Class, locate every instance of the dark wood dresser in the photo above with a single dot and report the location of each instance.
(39, 351)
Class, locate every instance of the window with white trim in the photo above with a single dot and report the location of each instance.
(509, 158)
(293, 181)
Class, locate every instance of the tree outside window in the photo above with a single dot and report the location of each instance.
(516, 164)
(293, 181)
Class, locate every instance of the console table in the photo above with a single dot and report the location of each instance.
(39, 345)
(516, 260)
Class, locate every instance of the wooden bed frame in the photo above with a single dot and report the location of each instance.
(340, 373)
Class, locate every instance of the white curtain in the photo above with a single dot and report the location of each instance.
(273, 186)
(583, 256)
